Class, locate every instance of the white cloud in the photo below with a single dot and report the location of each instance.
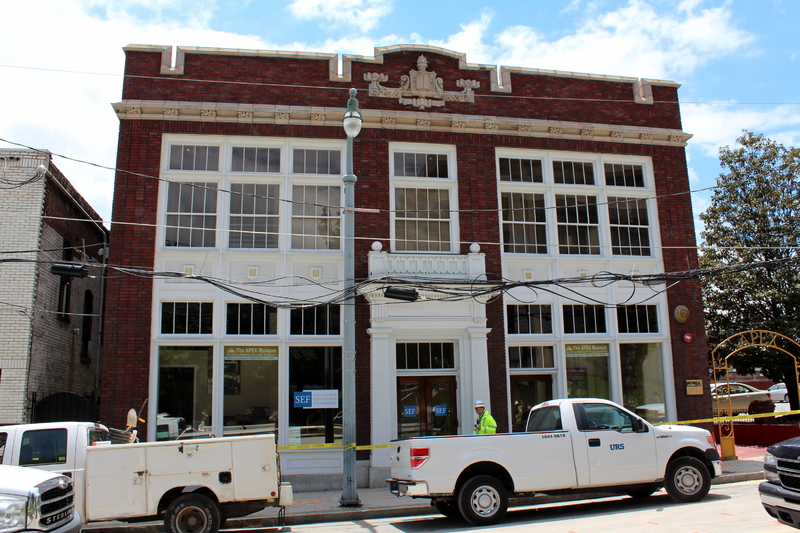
(363, 15)
(720, 124)
(635, 40)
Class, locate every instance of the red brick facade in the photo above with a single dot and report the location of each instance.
(562, 109)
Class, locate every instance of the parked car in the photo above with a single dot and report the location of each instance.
(744, 398)
(778, 390)
(780, 493)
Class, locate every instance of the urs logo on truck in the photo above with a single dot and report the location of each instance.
(616, 447)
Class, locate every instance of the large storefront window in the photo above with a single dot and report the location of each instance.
(315, 368)
(184, 391)
(250, 390)
(643, 380)
(587, 371)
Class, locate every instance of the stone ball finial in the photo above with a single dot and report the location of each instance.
(474, 247)
(377, 246)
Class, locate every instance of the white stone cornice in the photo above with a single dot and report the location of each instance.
(400, 120)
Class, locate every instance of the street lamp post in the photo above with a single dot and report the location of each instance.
(352, 127)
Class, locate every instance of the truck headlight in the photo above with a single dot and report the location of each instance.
(771, 468)
(13, 513)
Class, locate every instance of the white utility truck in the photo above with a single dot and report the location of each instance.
(569, 447)
(193, 484)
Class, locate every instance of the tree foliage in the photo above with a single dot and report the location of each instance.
(754, 216)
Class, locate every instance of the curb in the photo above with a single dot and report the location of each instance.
(353, 514)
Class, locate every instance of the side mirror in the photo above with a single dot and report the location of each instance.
(639, 426)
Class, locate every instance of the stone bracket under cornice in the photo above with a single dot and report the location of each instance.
(395, 120)
(500, 78)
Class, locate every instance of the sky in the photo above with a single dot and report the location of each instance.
(738, 61)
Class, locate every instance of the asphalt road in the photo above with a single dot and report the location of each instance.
(729, 508)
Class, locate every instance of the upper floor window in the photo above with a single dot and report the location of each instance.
(316, 217)
(310, 161)
(253, 159)
(524, 223)
(584, 319)
(637, 319)
(629, 224)
(520, 170)
(527, 319)
(254, 215)
(573, 172)
(193, 318)
(422, 219)
(624, 175)
(191, 214)
(578, 224)
(251, 319)
(316, 320)
(420, 165)
(193, 157)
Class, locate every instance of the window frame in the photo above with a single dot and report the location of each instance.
(449, 184)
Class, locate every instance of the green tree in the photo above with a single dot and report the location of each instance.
(755, 216)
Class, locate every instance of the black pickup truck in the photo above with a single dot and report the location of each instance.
(780, 493)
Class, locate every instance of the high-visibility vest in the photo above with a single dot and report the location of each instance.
(485, 424)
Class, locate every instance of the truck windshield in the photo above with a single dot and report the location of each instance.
(545, 419)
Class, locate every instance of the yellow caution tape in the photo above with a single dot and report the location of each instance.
(681, 422)
(727, 418)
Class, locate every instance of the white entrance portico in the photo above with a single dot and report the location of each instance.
(444, 319)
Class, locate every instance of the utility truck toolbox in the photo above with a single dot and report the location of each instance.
(570, 446)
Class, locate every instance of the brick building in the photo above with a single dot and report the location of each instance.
(50, 355)
(475, 184)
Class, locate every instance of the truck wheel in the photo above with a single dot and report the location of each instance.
(687, 480)
(483, 501)
(448, 508)
(192, 513)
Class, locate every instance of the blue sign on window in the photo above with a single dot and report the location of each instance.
(440, 410)
(410, 410)
(302, 399)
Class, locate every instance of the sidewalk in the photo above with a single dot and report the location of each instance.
(323, 506)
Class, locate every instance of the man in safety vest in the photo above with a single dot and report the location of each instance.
(485, 423)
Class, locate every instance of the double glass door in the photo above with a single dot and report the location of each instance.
(426, 406)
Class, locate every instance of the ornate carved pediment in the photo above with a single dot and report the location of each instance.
(421, 88)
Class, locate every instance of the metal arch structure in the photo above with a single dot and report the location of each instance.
(756, 338)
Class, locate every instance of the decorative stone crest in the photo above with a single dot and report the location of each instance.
(524, 128)
(421, 89)
(130, 110)
(171, 112)
(556, 131)
(423, 122)
(586, 132)
(389, 121)
(459, 124)
(317, 117)
(675, 138)
(493, 126)
(208, 112)
(246, 114)
(282, 116)
(616, 134)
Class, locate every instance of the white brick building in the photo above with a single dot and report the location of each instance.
(52, 327)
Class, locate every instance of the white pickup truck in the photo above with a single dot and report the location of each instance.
(194, 484)
(569, 447)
